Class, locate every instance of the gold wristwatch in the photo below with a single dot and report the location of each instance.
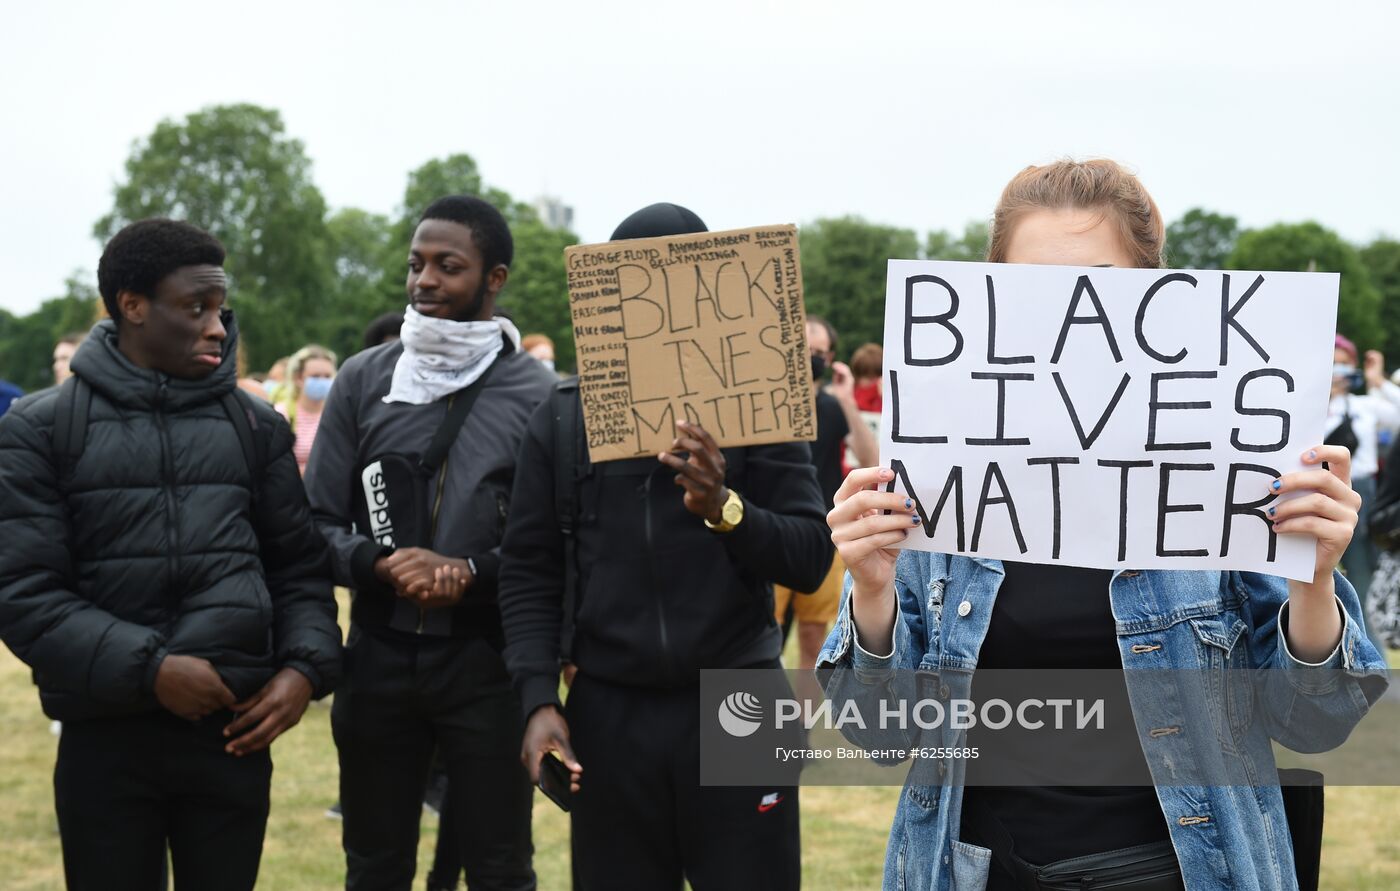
(731, 515)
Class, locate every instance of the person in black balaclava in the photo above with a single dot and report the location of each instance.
(676, 556)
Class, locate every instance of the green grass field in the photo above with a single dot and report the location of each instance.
(843, 828)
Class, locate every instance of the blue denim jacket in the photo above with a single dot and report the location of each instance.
(1226, 837)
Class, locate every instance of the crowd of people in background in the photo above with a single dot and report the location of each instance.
(1363, 415)
(398, 474)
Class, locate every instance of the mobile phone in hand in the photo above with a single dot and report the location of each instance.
(555, 781)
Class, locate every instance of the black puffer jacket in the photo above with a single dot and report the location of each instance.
(154, 543)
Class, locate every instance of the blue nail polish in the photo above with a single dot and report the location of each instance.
(1271, 511)
(1312, 454)
(1276, 485)
(913, 521)
(908, 503)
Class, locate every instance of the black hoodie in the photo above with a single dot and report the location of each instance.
(660, 596)
(154, 543)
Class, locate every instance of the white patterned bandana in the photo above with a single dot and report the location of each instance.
(441, 356)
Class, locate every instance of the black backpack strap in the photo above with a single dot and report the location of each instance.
(239, 408)
(460, 405)
(70, 423)
(567, 419)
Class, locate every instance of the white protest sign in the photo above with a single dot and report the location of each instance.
(1104, 417)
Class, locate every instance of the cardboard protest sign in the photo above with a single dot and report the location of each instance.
(1105, 417)
(707, 327)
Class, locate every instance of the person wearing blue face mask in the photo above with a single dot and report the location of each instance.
(311, 371)
(1355, 422)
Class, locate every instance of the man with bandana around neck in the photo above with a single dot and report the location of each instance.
(423, 668)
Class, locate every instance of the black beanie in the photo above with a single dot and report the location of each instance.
(659, 220)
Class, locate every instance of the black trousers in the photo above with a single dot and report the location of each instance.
(641, 819)
(125, 788)
(399, 699)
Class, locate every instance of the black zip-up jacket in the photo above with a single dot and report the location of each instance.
(660, 596)
(469, 495)
(154, 544)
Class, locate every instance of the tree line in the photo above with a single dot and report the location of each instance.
(301, 273)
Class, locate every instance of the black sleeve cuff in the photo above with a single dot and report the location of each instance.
(538, 691)
(487, 580)
(756, 524)
(148, 680)
(362, 565)
(308, 671)
(746, 540)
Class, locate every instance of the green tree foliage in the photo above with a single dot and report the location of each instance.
(537, 294)
(1309, 246)
(453, 175)
(1201, 240)
(362, 249)
(26, 343)
(971, 245)
(843, 274)
(232, 170)
(296, 275)
(1382, 260)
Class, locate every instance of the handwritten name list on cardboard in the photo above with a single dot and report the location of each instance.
(707, 327)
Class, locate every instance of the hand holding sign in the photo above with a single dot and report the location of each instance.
(1327, 507)
(866, 523)
(701, 474)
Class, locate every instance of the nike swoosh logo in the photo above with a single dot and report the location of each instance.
(765, 808)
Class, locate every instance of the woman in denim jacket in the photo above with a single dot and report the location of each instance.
(937, 617)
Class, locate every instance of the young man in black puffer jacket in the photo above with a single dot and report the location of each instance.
(161, 575)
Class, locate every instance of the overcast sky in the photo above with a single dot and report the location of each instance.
(748, 112)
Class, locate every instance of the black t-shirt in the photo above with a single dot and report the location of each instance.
(1059, 617)
(826, 451)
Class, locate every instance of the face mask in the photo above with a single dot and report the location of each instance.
(317, 388)
(271, 387)
(1349, 373)
(548, 363)
(818, 367)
